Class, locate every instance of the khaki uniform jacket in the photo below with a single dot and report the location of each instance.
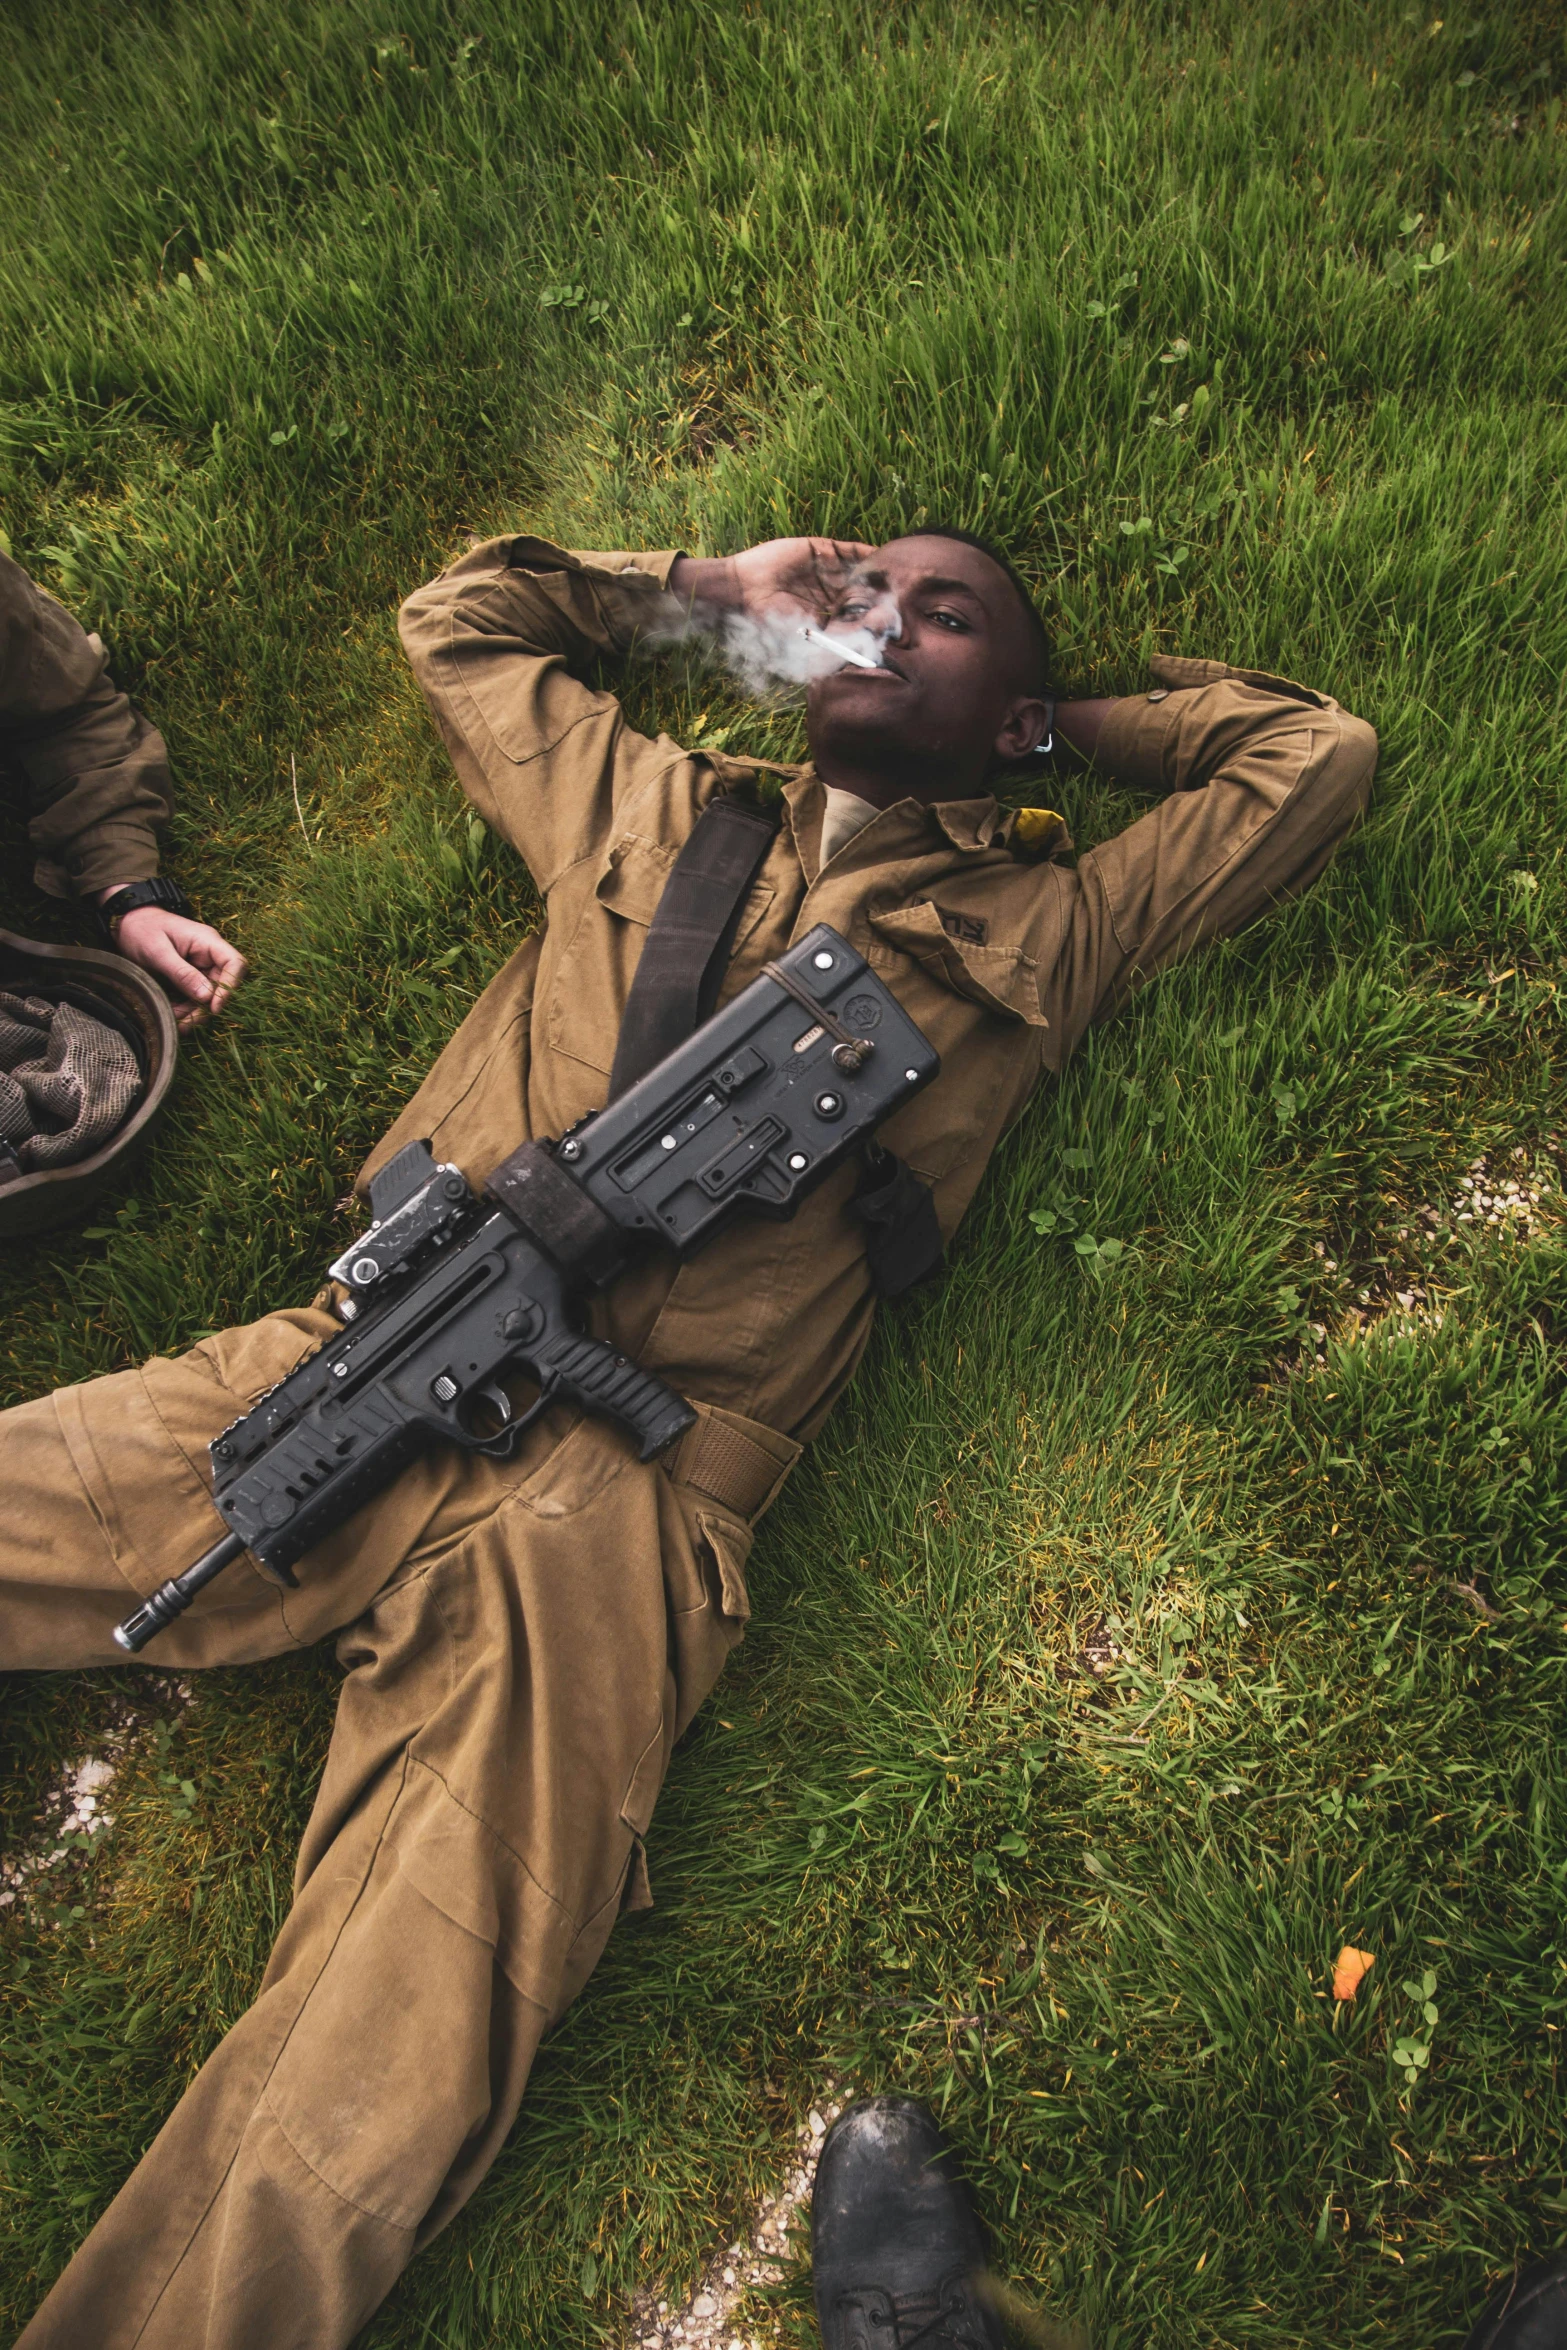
(1002, 955)
(96, 775)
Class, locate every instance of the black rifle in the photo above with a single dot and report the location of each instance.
(451, 1292)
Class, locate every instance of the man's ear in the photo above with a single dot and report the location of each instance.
(1023, 729)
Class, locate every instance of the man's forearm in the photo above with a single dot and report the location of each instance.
(707, 579)
(1079, 724)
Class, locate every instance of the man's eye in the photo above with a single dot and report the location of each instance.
(953, 620)
(850, 611)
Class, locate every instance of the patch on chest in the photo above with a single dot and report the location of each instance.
(973, 929)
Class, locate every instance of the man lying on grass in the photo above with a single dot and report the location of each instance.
(524, 1640)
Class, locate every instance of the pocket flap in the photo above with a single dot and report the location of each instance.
(1002, 978)
(633, 881)
(730, 1544)
(636, 1893)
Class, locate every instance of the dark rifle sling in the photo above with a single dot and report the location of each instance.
(687, 948)
(684, 958)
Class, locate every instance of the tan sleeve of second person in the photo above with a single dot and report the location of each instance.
(97, 774)
(1262, 778)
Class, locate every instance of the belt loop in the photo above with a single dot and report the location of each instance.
(741, 1464)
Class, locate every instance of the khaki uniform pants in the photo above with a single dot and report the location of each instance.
(522, 1644)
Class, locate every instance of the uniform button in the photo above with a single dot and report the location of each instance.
(1161, 693)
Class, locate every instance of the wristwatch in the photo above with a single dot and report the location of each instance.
(156, 892)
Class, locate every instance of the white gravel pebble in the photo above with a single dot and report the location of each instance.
(1482, 1200)
(71, 1808)
(708, 2319)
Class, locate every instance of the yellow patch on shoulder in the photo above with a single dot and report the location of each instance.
(1035, 825)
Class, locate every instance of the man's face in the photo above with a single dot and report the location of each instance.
(955, 689)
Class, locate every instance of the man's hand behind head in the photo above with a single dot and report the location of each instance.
(803, 575)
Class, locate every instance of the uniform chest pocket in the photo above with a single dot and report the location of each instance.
(978, 1002)
(593, 978)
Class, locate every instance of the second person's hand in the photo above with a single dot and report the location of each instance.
(195, 962)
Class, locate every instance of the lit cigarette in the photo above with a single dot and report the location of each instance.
(819, 636)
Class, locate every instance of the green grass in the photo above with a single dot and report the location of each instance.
(273, 336)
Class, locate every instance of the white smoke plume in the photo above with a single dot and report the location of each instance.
(774, 658)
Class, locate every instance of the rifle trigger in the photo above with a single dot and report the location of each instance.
(498, 1400)
(503, 1442)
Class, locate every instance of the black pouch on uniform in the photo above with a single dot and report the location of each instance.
(902, 1236)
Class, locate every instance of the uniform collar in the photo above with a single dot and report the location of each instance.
(968, 824)
(902, 830)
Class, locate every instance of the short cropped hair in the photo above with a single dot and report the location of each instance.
(1039, 636)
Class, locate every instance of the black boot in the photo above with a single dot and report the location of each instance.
(896, 2245)
(1529, 2312)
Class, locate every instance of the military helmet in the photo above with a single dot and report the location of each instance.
(133, 1018)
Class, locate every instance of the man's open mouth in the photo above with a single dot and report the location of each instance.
(884, 668)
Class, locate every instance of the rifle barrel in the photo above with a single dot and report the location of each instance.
(171, 1599)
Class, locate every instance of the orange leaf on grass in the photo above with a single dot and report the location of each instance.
(1350, 1970)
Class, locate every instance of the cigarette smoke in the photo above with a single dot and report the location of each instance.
(768, 658)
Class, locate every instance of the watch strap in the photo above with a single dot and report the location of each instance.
(158, 891)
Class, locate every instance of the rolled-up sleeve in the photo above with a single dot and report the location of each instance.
(499, 643)
(96, 773)
(1262, 779)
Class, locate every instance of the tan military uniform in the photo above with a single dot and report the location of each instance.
(96, 775)
(524, 1641)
